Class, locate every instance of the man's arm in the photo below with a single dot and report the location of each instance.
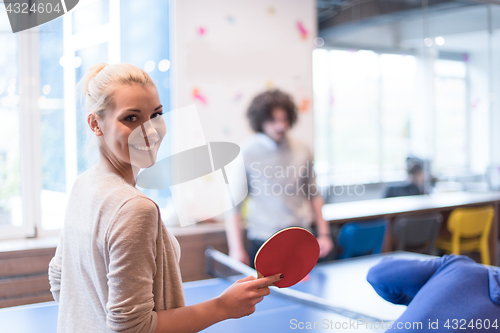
(317, 202)
(399, 280)
(324, 235)
(234, 234)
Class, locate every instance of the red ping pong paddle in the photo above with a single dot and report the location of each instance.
(292, 251)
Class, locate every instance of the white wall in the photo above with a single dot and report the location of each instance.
(247, 46)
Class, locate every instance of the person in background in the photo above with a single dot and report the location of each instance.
(415, 183)
(116, 267)
(451, 293)
(281, 180)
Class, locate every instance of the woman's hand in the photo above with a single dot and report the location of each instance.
(240, 298)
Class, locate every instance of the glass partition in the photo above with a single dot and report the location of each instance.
(417, 80)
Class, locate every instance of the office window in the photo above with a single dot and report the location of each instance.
(364, 106)
(451, 117)
(355, 114)
(109, 31)
(150, 51)
(52, 131)
(397, 102)
(11, 215)
(363, 103)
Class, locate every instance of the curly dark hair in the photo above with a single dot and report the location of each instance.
(260, 110)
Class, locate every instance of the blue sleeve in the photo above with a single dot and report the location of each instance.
(399, 280)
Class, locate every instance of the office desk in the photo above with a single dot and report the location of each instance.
(389, 208)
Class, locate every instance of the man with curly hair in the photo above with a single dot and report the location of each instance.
(281, 180)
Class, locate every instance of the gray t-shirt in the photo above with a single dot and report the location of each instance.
(281, 183)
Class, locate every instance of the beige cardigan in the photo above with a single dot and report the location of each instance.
(116, 264)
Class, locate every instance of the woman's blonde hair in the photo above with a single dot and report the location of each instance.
(98, 86)
(99, 83)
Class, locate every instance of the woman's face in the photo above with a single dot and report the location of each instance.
(133, 129)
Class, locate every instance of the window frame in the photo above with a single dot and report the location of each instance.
(381, 179)
(30, 118)
(29, 133)
(30, 146)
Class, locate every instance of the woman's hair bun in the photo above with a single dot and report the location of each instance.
(91, 73)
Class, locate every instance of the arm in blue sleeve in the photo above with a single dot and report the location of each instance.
(399, 280)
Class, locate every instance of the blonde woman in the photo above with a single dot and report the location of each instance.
(116, 267)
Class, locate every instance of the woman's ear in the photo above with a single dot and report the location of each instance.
(93, 124)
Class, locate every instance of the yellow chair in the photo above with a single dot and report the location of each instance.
(469, 228)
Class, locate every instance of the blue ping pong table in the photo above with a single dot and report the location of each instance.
(343, 283)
